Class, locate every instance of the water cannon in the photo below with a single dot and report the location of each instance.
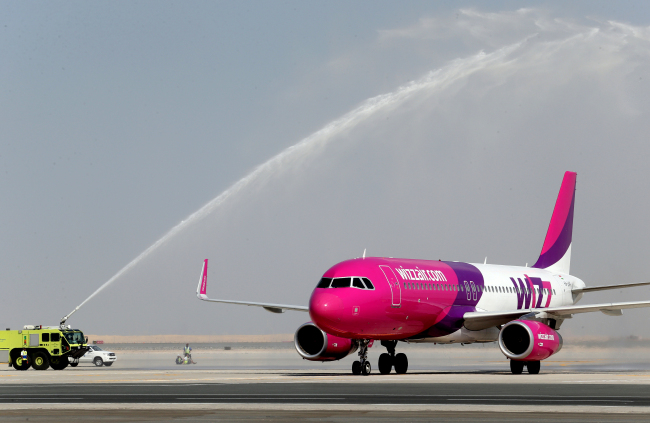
(63, 320)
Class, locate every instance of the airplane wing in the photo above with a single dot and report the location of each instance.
(605, 287)
(477, 320)
(273, 308)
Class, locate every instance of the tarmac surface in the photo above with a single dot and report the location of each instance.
(368, 393)
(271, 383)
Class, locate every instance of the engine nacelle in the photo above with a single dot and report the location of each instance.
(315, 345)
(528, 340)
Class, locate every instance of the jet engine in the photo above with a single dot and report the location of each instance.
(315, 345)
(528, 340)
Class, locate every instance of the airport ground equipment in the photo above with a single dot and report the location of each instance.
(95, 355)
(46, 346)
(183, 359)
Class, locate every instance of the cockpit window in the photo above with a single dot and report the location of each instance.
(340, 283)
(369, 284)
(356, 282)
(324, 283)
(347, 282)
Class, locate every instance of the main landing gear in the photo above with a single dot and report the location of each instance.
(517, 367)
(389, 360)
(386, 360)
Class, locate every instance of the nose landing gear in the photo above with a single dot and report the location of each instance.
(362, 366)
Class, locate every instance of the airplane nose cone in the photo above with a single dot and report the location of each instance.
(325, 308)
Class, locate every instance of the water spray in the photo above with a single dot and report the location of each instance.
(434, 80)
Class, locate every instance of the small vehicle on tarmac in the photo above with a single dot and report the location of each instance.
(184, 359)
(95, 355)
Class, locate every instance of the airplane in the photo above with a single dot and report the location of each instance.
(367, 299)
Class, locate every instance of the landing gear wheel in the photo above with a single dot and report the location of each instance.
(533, 367)
(365, 368)
(516, 367)
(108, 364)
(401, 363)
(98, 361)
(74, 364)
(40, 361)
(362, 366)
(385, 363)
(20, 364)
(356, 368)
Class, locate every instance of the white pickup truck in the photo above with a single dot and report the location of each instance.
(97, 356)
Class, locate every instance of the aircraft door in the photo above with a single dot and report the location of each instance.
(395, 288)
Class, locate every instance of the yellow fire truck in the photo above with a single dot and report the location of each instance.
(45, 346)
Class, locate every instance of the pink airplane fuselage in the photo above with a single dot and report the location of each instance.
(426, 300)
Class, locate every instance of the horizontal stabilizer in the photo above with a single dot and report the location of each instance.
(606, 287)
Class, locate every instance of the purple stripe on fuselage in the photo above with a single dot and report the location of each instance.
(559, 249)
(452, 322)
(473, 284)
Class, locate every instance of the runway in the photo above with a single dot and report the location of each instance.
(272, 384)
(403, 393)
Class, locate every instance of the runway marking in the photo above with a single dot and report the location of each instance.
(51, 399)
(543, 400)
(448, 397)
(267, 398)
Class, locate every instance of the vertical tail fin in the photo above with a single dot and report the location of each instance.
(556, 251)
(203, 282)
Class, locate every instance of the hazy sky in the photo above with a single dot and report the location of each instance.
(429, 129)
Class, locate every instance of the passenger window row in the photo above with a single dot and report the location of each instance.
(449, 287)
(433, 286)
(347, 282)
(512, 290)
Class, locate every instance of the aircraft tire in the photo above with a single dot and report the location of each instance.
(516, 367)
(401, 363)
(385, 364)
(74, 364)
(356, 368)
(366, 368)
(533, 367)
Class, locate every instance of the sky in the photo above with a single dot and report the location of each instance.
(311, 131)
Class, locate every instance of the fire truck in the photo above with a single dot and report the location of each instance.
(46, 346)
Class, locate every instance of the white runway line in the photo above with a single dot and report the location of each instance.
(535, 409)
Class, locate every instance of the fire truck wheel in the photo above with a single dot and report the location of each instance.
(98, 361)
(59, 363)
(20, 364)
(40, 361)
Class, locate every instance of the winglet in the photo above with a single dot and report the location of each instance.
(203, 282)
(556, 251)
